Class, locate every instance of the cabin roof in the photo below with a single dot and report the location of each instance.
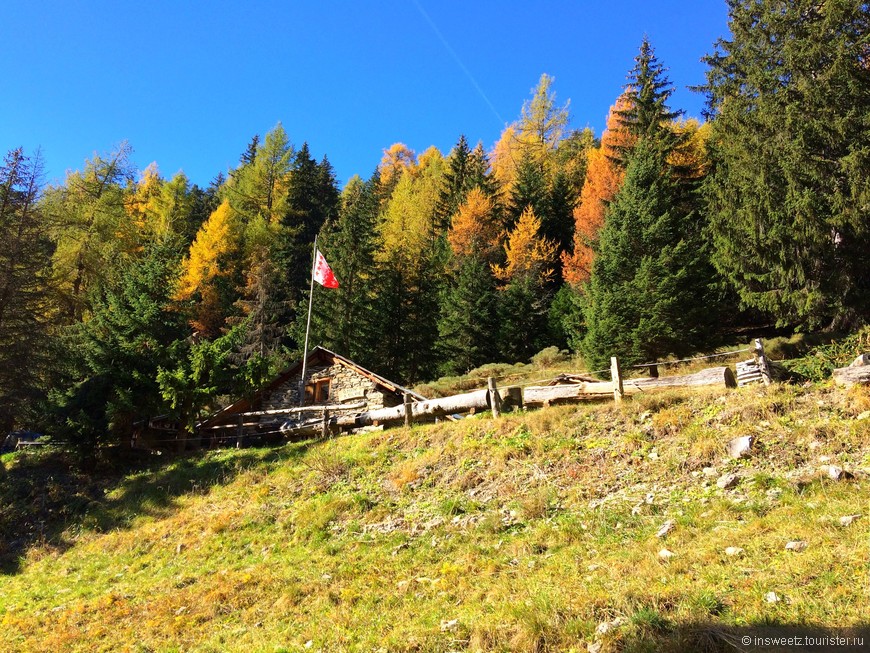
(317, 355)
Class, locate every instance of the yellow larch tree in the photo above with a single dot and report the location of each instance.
(216, 239)
(527, 253)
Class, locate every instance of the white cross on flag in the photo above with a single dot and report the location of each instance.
(323, 273)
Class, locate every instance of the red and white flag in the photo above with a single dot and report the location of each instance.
(323, 273)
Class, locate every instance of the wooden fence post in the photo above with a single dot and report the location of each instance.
(324, 425)
(240, 432)
(409, 411)
(494, 398)
(616, 377)
(763, 367)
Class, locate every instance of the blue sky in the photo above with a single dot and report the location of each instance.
(188, 84)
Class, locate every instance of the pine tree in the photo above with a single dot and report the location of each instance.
(790, 143)
(343, 318)
(529, 191)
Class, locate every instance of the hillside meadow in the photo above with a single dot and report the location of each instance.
(540, 531)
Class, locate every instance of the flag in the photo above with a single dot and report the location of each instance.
(323, 273)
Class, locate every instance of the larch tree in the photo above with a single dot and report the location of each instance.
(93, 230)
(543, 124)
(209, 269)
(603, 178)
(524, 299)
(476, 228)
(410, 267)
(789, 94)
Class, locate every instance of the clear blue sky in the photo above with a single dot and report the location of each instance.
(189, 83)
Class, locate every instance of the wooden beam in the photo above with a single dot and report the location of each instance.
(494, 397)
(616, 378)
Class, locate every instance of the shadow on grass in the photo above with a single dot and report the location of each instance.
(761, 638)
(46, 498)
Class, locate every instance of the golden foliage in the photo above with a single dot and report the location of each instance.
(474, 229)
(690, 158)
(526, 252)
(397, 159)
(216, 238)
(603, 179)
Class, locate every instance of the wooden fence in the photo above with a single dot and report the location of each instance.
(497, 399)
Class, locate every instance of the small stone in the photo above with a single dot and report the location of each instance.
(797, 546)
(732, 551)
(447, 625)
(728, 481)
(666, 555)
(861, 361)
(709, 472)
(815, 444)
(594, 647)
(666, 528)
(864, 415)
(309, 644)
(848, 520)
(179, 548)
(771, 597)
(593, 567)
(603, 628)
(835, 473)
(739, 447)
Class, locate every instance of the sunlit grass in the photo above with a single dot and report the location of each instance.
(519, 534)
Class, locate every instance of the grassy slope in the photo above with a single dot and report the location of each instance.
(521, 534)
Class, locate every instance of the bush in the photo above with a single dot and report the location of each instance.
(821, 361)
(549, 357)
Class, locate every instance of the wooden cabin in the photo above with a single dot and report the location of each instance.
(333, 385)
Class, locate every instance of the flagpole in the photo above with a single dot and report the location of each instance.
(308, 326)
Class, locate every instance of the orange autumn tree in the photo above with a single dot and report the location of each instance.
(475, 229)
(603, 179)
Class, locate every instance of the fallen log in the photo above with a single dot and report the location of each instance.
(464, 403)
(545, 395)
(849, 376)
(710, 376)
(541, 395)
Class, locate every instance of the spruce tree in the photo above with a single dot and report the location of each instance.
(645, 112)
(789, 94)
(468, 321)
(133, 333)
(24, 288)
(651, 289)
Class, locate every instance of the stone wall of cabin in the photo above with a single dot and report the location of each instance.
(346, 387)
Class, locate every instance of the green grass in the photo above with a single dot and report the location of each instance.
(518, 534)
